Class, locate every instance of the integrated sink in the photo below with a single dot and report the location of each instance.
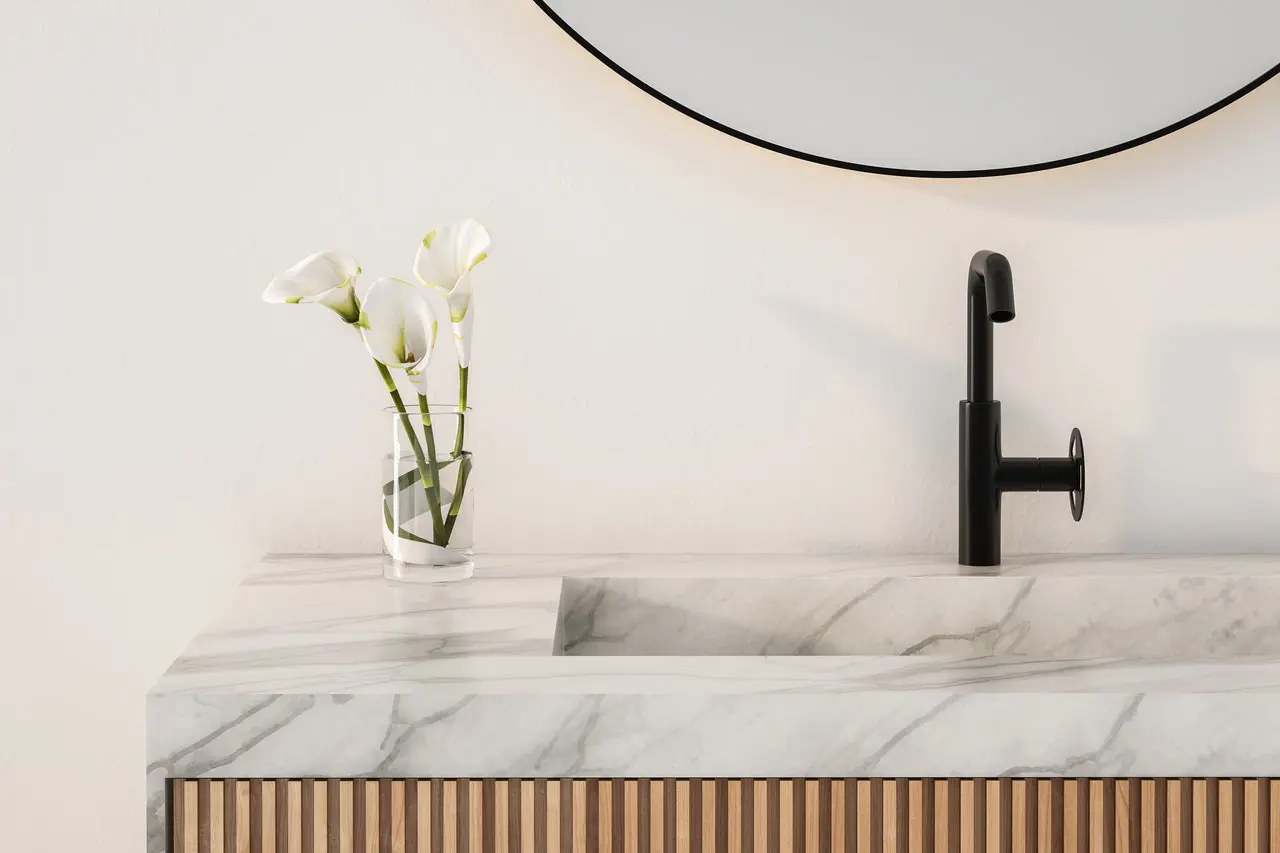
(1147, 616)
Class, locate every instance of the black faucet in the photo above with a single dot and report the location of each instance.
(985, 475)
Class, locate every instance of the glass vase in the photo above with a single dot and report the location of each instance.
(428, 491)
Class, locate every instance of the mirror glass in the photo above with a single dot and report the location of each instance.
(936, 87)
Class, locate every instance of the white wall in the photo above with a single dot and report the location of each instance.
(683, 342)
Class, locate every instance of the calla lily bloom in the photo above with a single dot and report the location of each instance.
(399, 327)
(327, 278)
(444, 262)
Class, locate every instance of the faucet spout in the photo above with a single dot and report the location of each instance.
(990, 301)
(992, 277)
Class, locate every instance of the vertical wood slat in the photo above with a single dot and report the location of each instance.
(566, 816)
(1274, 813)
(240, 840)
(1230, 826)
(760, 817)
(333, 809)
(1199, 816)
(1152, 817)
(785, 814)
(1211, 828)
(604, 821)
(1181, 815)
(943, 829)
(551, 831)
(217, 816)
(1122, 814)
(864, 829)
(578, 816)
(1072, 799)
(202, 816)
(372, 813)
(319, 817)
(475, 815)
(293, 793)
(1022, 815)
(264, 831)
(973, 816)
(733, 818)
(189, 817)
(497, 802)
(839, 805)
(725, 813)
(897, 804)
(539, 811)
(1231, 815)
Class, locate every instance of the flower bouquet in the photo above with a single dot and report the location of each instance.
(427, 489)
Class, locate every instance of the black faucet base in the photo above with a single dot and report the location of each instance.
(985, 476)
(979, 495)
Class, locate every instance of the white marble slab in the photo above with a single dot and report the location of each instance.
(1050, 616)
(322, 668)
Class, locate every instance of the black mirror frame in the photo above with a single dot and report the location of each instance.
(906, 173)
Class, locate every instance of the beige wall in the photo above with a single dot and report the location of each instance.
(683, 342)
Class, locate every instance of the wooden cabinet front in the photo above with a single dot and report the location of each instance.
(724, 815)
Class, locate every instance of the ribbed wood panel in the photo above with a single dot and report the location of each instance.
(725, 816)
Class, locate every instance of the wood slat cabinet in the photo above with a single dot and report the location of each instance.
(724, 815)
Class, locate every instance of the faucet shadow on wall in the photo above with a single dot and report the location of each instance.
(918, 394)
(1187, 484)
(1190, 485)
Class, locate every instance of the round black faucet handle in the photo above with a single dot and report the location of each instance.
(1076, 452)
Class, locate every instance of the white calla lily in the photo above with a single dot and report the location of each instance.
(327, 278)
(399, 327)
(444, 262)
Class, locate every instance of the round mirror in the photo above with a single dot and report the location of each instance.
(936, 88)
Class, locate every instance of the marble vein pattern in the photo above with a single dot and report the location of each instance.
(1055, 616)
(726, 666)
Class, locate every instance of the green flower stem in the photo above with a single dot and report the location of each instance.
(428, 481)
(399, 531)
(455, 506)
(429, 436)
(399, 484)
(463, 375)
(464, 465)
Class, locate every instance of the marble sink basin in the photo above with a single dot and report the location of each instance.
(1155, 616)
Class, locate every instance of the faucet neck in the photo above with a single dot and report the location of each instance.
(981, 351)
(990, 288)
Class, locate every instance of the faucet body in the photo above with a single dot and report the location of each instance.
(985, 474)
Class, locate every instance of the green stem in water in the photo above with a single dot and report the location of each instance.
(399, 531)
(429, 436)
(455, 506)
(429, 482)
(464, 464)
(463, 373)
(399, 484)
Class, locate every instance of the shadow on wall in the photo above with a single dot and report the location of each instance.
(1222, 164)
(1191, 483)
(920, 394)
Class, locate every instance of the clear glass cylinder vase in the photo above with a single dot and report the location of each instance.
(428, 491)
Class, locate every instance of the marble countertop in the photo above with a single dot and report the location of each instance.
(1127, 665)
